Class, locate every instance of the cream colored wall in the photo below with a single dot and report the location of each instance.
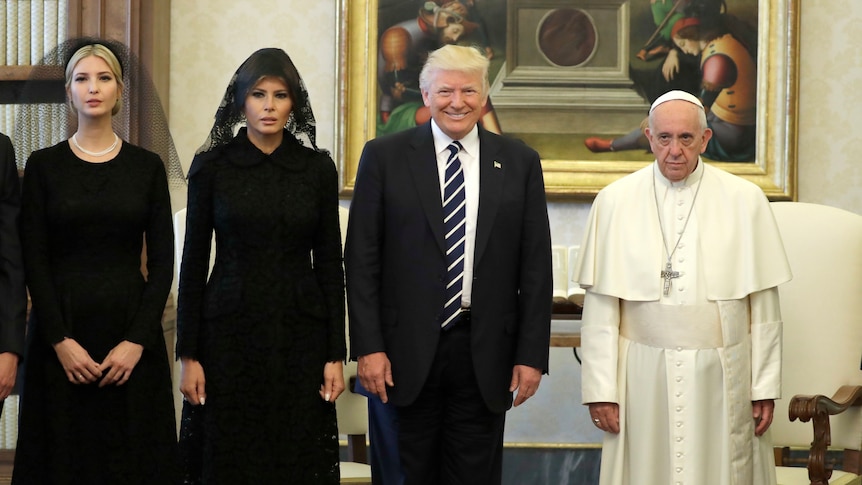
(830, 104)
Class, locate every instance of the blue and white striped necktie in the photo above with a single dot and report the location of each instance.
(455, 221)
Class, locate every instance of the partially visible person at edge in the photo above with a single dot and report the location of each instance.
(262, 340)
(13, 295)
(681, 333)
(97, 406)
(449, 277)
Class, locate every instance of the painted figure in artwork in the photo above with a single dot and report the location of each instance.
(726, 51)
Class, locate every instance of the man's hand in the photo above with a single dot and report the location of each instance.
(526, 380)
(762, 411)
(606, 416)
(8, 372)
(375, 373)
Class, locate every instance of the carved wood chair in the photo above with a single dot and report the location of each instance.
(821, 410)
(352, 411)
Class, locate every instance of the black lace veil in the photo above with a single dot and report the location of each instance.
(268, 62)
(141, 121)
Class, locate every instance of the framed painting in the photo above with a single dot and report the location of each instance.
(574, 79)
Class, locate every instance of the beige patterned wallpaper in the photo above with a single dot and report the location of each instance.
(830, 104)
(210, 39)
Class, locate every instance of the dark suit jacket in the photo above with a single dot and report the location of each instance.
(13, 296)
(395, 262)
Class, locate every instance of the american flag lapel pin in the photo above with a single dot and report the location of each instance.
(497, 164)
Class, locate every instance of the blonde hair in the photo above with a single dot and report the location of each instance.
(107, 55)
(455, 58)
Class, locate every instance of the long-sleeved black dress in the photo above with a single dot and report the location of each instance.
(269, 318)
(83, 226)
(12, 293)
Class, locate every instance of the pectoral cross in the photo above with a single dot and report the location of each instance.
(668, 274)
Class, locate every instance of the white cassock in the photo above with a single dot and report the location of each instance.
(684, 367)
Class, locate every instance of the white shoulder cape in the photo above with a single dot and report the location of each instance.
(622, 252)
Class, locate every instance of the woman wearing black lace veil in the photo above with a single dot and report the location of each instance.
(262, 342)
(97, 406)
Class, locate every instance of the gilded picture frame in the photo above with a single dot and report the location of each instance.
(580, 178)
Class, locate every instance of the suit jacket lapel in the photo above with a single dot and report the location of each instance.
(492, 171)
(423, 166)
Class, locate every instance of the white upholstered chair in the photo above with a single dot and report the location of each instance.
(822, 312)
(179, 239)
(352, 410)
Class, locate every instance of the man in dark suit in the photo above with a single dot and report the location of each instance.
(449, 285)
(13, 296)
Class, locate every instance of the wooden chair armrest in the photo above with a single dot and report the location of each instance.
(818, 409)
(805, 408)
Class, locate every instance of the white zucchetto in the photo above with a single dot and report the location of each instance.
(676, 94)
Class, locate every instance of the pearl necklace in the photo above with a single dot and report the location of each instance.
(96, 154)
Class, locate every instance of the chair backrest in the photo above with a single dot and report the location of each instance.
(179, 242)
(351, 408)
(822, 312)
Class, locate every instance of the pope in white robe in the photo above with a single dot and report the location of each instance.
(681, 334)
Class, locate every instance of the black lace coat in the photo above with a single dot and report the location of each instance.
(83, 226)
(269, 318)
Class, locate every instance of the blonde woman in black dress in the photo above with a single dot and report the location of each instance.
(97, 405)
